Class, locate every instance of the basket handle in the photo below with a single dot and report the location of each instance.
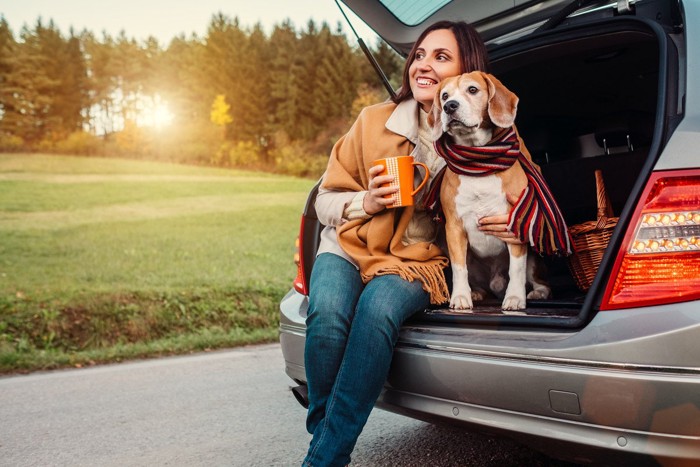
(604, 207)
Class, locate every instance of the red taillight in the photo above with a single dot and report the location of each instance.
(659, 259)
(300, 281)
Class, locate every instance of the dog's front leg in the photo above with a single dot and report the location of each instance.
(517, 272)
(457, 243)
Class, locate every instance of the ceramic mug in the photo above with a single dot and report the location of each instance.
(401, 168)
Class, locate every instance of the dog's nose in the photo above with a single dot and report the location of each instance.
(450, 107)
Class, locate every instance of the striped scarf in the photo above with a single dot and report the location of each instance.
(535, 219)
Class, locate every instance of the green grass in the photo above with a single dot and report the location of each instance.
(108, 259)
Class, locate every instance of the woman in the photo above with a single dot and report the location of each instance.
(376, 266)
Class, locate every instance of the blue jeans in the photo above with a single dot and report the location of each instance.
(350, 336)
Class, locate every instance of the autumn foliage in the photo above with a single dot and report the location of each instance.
(236, 97)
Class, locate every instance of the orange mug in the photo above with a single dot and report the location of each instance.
(401, 168)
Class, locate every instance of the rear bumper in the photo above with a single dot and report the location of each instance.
(608, 407)
(571, 440)
(553, 390)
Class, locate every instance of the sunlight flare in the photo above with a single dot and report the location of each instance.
(155, 113)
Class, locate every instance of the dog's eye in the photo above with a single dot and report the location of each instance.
(444, 96)
(472, 89)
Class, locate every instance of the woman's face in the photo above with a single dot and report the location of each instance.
(437, 58)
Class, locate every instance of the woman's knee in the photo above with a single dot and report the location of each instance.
(335, 288)
(390, 301)
(329, 315)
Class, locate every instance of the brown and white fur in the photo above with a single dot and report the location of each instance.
(468, 108)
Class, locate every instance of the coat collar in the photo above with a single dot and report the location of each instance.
(404, 120)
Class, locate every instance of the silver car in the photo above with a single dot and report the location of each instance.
(609, 368)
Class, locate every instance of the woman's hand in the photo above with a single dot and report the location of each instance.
(374, 201)
(498, 225)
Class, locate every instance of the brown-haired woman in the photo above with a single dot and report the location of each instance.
(375, 266)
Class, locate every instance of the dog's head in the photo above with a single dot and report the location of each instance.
(468, 106)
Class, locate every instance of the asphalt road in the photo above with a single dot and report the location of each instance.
(230, 408)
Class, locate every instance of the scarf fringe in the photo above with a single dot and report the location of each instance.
(431, 276)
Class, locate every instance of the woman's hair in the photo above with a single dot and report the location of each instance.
(472, 52)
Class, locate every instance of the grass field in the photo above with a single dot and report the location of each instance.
(109, 259)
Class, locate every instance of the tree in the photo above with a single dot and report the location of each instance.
(11, 118)
(101, 94)
(253, 104)
(183, 81)
(220, 115)
(127, 73)
(293, 87)
(286, 76)
(71, 103)
(31, 87)
(330, 82)
(225, 47)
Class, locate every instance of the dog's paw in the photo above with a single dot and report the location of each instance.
(478, 295)
(498, 284)
(513, 302)
(540, 293)
(461, 303)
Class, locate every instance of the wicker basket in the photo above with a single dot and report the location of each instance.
(591, 238)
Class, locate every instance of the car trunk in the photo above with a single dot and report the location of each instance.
(591, 98)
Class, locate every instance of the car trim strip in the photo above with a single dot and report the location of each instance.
(561, 361)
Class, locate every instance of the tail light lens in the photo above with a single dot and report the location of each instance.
(300, 280)
(659, 261)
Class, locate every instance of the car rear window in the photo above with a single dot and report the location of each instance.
(413, 12)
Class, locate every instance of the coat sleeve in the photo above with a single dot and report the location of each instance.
(331, 205)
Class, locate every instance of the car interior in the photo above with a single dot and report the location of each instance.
(587, 110)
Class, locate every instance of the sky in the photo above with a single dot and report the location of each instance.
(165, 19)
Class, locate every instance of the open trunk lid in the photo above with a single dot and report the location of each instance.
(399, 23)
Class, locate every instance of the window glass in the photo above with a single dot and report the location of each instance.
(413, 12)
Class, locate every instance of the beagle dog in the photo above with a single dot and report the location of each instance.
(468, 111)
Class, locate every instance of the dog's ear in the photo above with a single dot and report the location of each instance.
(434, 119)
(503, 104)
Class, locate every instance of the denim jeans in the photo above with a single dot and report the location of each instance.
(351, 332)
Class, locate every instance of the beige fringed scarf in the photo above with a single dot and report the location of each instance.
(375, 243)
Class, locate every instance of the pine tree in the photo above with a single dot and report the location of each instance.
(183, 81)
(286, 75)
(225, 50)
(34, 88)
(11, 117)
(71, 103)
(330, 66)
(102, 106)
(253, 104)
(127, 72)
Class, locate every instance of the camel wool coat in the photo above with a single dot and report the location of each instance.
(375, 244)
